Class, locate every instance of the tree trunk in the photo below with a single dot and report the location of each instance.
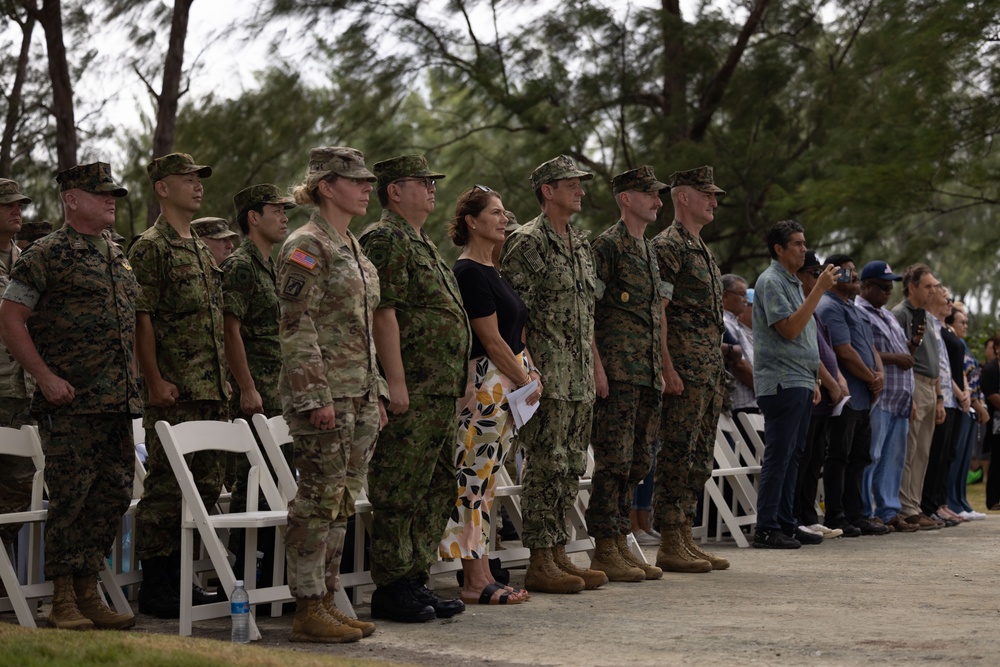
(170, 91)
(674, 73)
(14, 101)
(50, 18)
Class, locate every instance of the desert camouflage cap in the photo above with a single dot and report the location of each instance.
(10, 192)
(403, 166)
(557, 169)
(642, 179)
(699, 179)
(339, 160)
(263, 193)
(94, 177)
(213, 228)
(32, 231)
(175, 163)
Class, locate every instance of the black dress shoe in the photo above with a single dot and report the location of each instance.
(200, 596)
(868, 527)
(773, 539)
(850, 530)
(397, 602)
(807, 538)
(159, 600)
(442, 608)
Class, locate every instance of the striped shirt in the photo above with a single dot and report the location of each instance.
(897, 392)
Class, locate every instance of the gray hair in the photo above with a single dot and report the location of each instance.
(730, 280)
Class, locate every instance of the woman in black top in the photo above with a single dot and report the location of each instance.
(500, 363)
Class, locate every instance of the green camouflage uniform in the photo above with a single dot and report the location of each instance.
(627, 332)
(693, 285)
(328, 291)
(412, 480)
(82, 293)
(555, 278)
(182, 293)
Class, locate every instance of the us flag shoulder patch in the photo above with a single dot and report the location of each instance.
(303, 259)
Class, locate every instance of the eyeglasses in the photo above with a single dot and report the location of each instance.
(482, 188)
(426, 181)
(885, 288)
(815, 273)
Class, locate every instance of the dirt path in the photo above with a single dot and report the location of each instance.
(897, 600)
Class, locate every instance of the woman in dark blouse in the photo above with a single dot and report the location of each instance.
(499, 363)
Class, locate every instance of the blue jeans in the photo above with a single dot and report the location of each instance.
(786, 422)
(968, 434)
(880, 483)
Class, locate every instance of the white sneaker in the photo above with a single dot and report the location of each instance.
(827, 533)
(975, 516)
(812, 530)
(646, 539)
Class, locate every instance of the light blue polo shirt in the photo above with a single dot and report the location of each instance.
(777, 360)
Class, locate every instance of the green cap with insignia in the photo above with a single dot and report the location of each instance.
(557, 169)
(699, 179)
(175, 163)
(339, 160)
(511, 221)
(32, 231)
(10, 192)
(213, 228)
(263, 193)
(642, 179)
(94, 178)
(404, 166)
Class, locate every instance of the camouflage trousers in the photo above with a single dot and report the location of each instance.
(332, 468)
(158, 516)
(411, 487)
(89, 466)
(485, 429)
(555, 445)
(16, 472)
(684, 462)
(625, 425)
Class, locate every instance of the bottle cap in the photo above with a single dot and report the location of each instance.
(239, 582)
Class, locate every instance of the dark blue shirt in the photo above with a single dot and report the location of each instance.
(849, 326)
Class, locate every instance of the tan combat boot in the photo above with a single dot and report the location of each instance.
(543, 575)
(331, 608)
(313, 624)
(607, 560)
(591, 578)
(650, 571)
(674, 556)
(65, 615)
(91, 604)
(718, 562)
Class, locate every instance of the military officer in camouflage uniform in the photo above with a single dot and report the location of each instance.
(217, 235)
(68, 316)
(423, 340)
(15, 471)
(331, 389)
(627, 365)
(692, 369)
(551, 266)
(179, 340)
(32, 231)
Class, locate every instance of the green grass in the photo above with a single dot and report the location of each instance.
(25, 647)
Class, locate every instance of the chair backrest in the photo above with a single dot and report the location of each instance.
(273, 434)
(742, 453)
(179, 440)
(753, 425)
(25, 442)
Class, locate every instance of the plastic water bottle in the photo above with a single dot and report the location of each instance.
(239, 605)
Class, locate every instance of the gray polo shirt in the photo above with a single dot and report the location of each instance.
(777, 360)
(925, 360)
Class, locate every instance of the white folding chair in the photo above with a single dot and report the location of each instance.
(733, 471)
(187, 438)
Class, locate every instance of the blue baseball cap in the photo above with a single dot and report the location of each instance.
(880, 270)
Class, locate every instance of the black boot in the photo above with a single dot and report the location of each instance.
(442, 608)
(199, 595)
(397, 602)
(158, 594)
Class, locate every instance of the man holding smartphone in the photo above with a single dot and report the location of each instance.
(919, 288)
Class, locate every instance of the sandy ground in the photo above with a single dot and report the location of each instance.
(929, 597)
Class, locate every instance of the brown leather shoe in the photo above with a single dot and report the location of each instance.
(875, 521)
(923, 522)
(901, 525)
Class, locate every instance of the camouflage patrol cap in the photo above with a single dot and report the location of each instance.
(263, 193)
(699, 179)
(557, 169)
(10, 192)
(642, 179)
(94, 178)
(339, 160)
(403, 166)
(175, 163)
(511, 221)
(213, 228)
(32, 231)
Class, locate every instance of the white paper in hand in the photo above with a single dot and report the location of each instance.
(517, 401)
